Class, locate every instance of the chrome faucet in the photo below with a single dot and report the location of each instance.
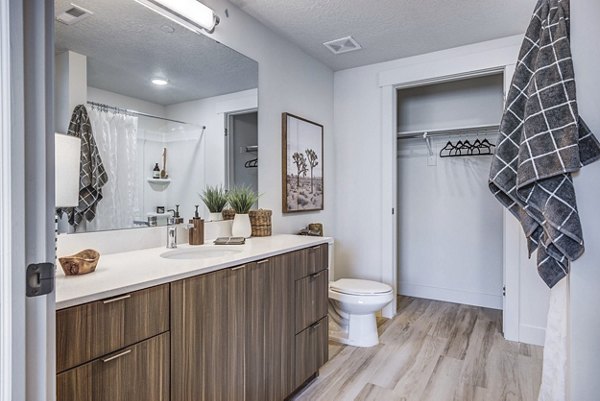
(172, 223)
(171, 233)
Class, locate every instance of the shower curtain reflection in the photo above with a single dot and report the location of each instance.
(116, 138)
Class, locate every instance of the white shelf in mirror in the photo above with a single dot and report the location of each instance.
(159, 181)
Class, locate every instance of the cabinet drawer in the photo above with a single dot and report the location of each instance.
(312, 260)
(86, 332)
(311, 351)
(137, 373)
(311, 299)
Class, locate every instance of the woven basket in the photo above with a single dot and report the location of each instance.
(260, 220)
(228, 214)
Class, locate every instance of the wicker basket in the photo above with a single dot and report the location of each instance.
(228, 214)
(261, 222)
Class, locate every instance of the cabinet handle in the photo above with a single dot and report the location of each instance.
(238, 268)
(110, 301)
(315, 275)
(315, 248)
(262, 262)
(112, 358)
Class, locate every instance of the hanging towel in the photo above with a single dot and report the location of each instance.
(92, 175)
(542, 141)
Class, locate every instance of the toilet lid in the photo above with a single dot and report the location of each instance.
(359, 287)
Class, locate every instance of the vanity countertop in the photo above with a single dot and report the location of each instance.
(120, 273)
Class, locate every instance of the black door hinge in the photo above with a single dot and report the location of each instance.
(39, 279)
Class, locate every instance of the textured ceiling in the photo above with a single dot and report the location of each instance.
(126, 49)
(389, 29)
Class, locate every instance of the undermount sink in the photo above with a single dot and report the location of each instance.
(199, 253)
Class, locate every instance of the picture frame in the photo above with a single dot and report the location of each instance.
(302, 164)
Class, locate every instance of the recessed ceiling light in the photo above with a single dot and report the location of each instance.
(159, 81)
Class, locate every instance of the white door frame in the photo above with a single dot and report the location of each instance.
(12, 289)
(229, 150)
(26, 197)
(12, 350)
(389, 167)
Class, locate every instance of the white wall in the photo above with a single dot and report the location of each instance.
(585, 275)
(288, 81)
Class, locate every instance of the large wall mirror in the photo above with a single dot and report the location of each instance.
(171, 111)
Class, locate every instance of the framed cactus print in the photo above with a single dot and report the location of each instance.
(302, 164)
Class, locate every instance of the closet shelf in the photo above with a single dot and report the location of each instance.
(477, 129)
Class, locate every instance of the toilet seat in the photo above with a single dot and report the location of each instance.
(359, 287)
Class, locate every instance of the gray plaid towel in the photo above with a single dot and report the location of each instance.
(542, 141)
(92, 175)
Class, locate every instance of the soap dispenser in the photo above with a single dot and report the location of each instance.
(196, 231)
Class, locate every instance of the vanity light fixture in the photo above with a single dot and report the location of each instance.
(191, 14)
(159, 81)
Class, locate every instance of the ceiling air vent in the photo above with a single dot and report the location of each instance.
(73, 15)
(343, 45)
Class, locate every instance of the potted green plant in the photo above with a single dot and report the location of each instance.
(215, 199)
(241, 199)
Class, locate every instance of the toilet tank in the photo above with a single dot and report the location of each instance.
(331, 253)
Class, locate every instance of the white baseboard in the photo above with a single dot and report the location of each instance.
(450, 295)
(533, 335)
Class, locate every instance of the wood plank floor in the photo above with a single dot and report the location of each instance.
(432, 351)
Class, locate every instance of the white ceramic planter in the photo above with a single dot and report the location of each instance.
(241, 226)
(218, 216)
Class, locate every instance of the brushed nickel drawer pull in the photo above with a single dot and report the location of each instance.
(314, 326)
(262, 262)
(237, 268)
(315, 248)
(112, 358)
(110, 301)
(315, 275)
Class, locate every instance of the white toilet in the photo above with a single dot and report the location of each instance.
(353, 304)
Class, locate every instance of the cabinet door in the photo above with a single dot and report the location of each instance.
(270, 329)
(279, 336)
(311, 351)
(207, 336)
(136, 373)
(311, 299)
(256, 304)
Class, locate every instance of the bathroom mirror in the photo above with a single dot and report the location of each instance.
(171, 111)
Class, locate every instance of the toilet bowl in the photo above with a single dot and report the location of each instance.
(352, 307)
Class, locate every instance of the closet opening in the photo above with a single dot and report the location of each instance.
(241, 142)
(449, 226)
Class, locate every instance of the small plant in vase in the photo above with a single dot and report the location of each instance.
(215, 199)
(241, 199)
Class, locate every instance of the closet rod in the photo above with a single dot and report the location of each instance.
(134, 112)
(480, 129)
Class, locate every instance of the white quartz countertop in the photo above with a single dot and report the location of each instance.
(120, 273)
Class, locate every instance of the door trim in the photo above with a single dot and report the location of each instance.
(6, 293)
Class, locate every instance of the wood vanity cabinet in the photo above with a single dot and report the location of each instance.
(255, 332)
